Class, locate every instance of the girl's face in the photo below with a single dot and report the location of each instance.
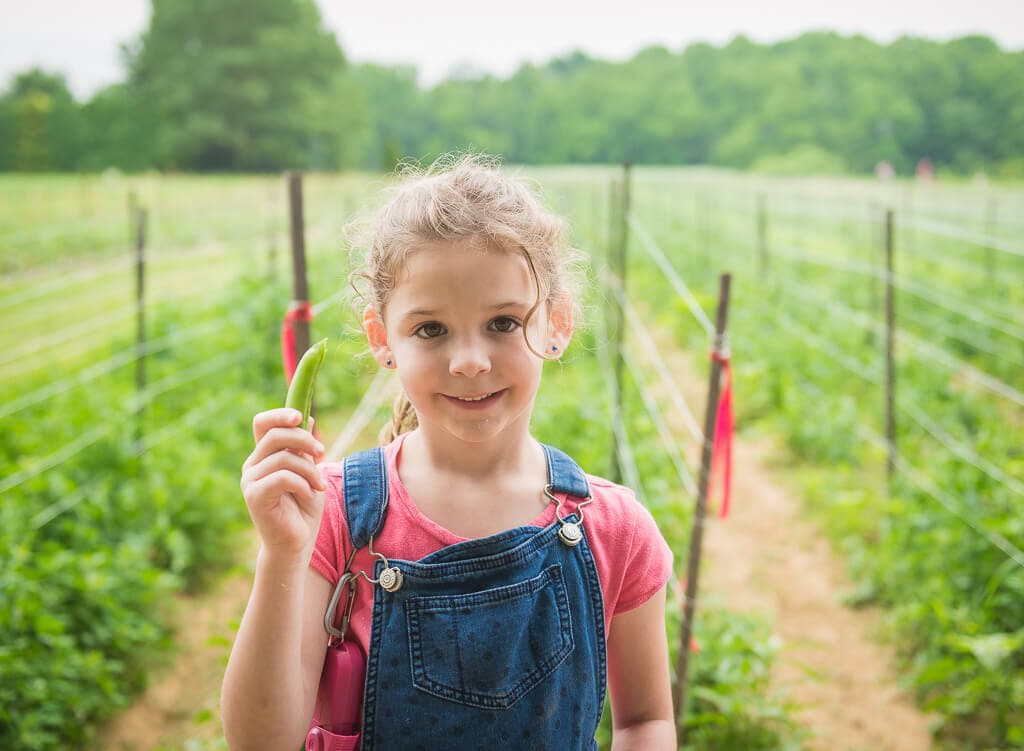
(453, 329)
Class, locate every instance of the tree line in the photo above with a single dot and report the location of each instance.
(261, 85)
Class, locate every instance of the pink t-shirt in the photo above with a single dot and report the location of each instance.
(632, 558)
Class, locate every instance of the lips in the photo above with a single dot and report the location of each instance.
(479, 400)
(475, 397)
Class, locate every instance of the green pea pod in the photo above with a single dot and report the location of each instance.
(300, 390)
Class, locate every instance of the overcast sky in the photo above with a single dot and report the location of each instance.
(80, 38)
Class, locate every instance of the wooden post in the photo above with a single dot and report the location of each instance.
(140, 310)
(614, 197)
(697, 530)
(300, 288)
(614, 313)
(890, 335)
(621, 261)
(618, 333)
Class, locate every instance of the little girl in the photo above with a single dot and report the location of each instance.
(498, 588)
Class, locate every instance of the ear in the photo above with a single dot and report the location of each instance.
(560, 325)
(377, 337)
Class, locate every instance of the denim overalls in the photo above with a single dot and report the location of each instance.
(491, 643)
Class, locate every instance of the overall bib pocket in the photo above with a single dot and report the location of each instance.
(488, 649)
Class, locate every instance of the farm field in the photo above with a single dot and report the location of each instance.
(113, 499)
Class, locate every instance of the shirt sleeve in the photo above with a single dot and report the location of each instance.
(648, 562)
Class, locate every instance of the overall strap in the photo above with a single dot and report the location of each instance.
(366, 488)
(565, 475)
(365, 479)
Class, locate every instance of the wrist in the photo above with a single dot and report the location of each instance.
(281, 563)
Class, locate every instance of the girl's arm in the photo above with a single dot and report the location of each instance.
(638, 679)
(274, 669)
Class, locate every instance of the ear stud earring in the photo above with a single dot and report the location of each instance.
(389, 362)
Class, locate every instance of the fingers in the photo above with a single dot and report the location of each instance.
(280, 434)
(294, 464)
(271, 487)
(282, 417)
(319, 456)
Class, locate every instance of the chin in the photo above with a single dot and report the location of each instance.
(477, 432)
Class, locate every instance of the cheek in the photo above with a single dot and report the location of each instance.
(529, 365)
(537, 332)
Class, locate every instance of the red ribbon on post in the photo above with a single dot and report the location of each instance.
(299, 310)
(302, 311)
(721, 451)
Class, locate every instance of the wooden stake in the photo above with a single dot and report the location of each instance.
(697, 530)
(890, 337)
(300, 288)
(140, 315)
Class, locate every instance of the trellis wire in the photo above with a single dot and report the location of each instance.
(925, 485)
(124, 357)
(906, 404)
(673, 277)
(659, 363)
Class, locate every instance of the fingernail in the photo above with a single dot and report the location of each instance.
(319, 447)
(295, 416)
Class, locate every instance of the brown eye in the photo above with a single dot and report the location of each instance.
(505, 325)
(429, 330)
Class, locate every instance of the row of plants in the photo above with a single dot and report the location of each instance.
(731, 702)
(807, 352)
(92, 547)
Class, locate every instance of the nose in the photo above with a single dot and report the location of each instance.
(469, 358)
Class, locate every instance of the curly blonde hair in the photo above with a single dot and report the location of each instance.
(461, 197)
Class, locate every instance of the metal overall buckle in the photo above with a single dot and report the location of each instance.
(390, 580)
(570, 533)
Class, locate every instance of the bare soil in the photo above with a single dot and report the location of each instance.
(183, 698)
(767, 558)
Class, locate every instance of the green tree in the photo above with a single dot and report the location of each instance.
(117, 130)
(40, 117)
(245, 85)
(395, 112)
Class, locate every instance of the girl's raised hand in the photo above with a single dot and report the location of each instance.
(282, 485)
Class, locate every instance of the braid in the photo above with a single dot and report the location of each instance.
(403, 419)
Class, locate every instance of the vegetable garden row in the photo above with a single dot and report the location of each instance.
(107, 507)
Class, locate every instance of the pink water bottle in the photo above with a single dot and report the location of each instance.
(339, 700)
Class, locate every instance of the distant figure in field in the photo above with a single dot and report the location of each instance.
(884, 170)
(925, 171)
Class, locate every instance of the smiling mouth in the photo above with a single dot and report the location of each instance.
(477, 399)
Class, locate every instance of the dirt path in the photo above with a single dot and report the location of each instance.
(182, 701)
(768, 558)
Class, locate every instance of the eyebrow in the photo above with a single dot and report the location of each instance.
(499, 306)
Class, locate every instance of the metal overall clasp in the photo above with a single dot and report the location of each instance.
(348, 579)
(570, 533)
(390, 579)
